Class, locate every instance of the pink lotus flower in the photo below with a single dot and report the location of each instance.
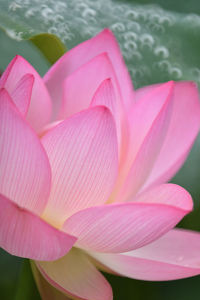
(84, 161)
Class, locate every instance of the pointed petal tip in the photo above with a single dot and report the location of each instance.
(4, 93)
(169, 84)
(107, 83)
(21, 95)
(107, 31)
(39, 111)
(17, 58)
(109, 34)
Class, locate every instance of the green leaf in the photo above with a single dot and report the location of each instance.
(50, 45)
(10, 47)
(9, 271)
(26, 288)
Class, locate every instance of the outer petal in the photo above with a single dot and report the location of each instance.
(75, 275)
(21, 95)
(175, 255)
(83, 155)
(78, 56)
(40, 109)
(144, 91)
(151, 120)
(87, 78)
(108, 95)
(144, 112)
(25, 175)
(127, 226)
(183, 129)
(26, 235)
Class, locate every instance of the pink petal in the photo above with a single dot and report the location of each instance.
(183, 129)
(126, 226)
(25, 174)
(26, 235)
(39, 112)
(145, 90)
(80, 55)
(175, 255)
(87, 79)
(21, 95)
(148, 133)
(144, 112)
(82, 152)
(167, 193)
(75, 275)
(107, 95)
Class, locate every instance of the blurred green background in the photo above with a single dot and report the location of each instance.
(153, 53)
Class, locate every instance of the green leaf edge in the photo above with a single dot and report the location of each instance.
(49, 45)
